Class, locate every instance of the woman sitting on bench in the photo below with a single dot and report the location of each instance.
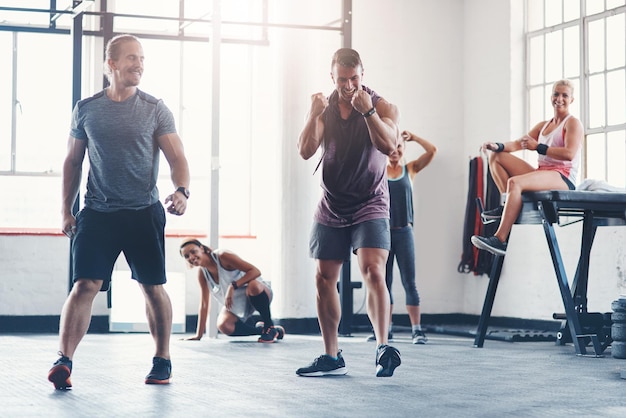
(558, 142)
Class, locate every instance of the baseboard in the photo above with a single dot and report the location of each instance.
(46, 324)
(360, 323)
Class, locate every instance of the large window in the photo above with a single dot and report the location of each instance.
(257, 35)
(583, 40)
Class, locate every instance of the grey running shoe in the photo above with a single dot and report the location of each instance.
(160, 373)
(324, 365)
(491, 244)
(419, 337)
(387, 359)
(493, 213)
(60, 373)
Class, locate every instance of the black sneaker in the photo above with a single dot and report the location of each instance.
(324, 365)
(160, 373)
(493, 213)
(281, 332)
(60, 373)
(387, 359)
(491, 244)
(373, 337)
(419, 337)
(269, 335)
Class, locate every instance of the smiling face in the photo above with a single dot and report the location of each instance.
(562, 96)
(193, 254)
(127, 67)
(347, 80)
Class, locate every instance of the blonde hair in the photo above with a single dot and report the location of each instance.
(112, 50)
(564, 82)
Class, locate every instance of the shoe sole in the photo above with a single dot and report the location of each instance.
(337, 372)
(386, 366)
(481, 245)
(420, 342)
(273, 340)
(157, 382)
(60, 377)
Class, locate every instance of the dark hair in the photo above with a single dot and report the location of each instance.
(193, 241)
(346, 57)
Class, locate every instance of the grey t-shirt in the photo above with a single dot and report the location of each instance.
(122, 147)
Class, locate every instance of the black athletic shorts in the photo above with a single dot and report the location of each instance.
(102, 236)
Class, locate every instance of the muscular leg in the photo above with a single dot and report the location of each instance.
(389, 279)
(76, 314)
(372, 264)
(328, 305)
(534, 181)
(504, 165)
(255, 287)
(226, 322)
(159, 314)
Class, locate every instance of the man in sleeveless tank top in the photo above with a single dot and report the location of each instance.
(558, 142)
(124, 131)
(356, 130)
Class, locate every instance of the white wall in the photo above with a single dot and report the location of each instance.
(455, 69)
(35, 275)
(413, 56)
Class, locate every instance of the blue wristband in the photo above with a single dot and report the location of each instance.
(542, 149)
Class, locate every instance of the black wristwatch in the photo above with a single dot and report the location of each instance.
(184, 191)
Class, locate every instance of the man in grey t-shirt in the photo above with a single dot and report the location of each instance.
(123, 130)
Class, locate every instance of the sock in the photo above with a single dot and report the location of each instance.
(503, 198)
(241, 329)
(417, 327)
(262, 304)
(390, 327)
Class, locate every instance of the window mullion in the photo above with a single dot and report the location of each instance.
(14, 103)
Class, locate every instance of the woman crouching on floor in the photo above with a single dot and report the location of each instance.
(235, 284)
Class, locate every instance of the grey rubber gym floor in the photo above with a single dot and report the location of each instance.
(238, 377)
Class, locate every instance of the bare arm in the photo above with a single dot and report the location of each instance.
(313, 132)
(72, 172)
(382, 125)
(516, 145)
(573, 138)
(203, 308)
(231, 261)
(172, 148)
(423, 160)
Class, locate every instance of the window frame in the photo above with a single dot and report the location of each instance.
(588, 165)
